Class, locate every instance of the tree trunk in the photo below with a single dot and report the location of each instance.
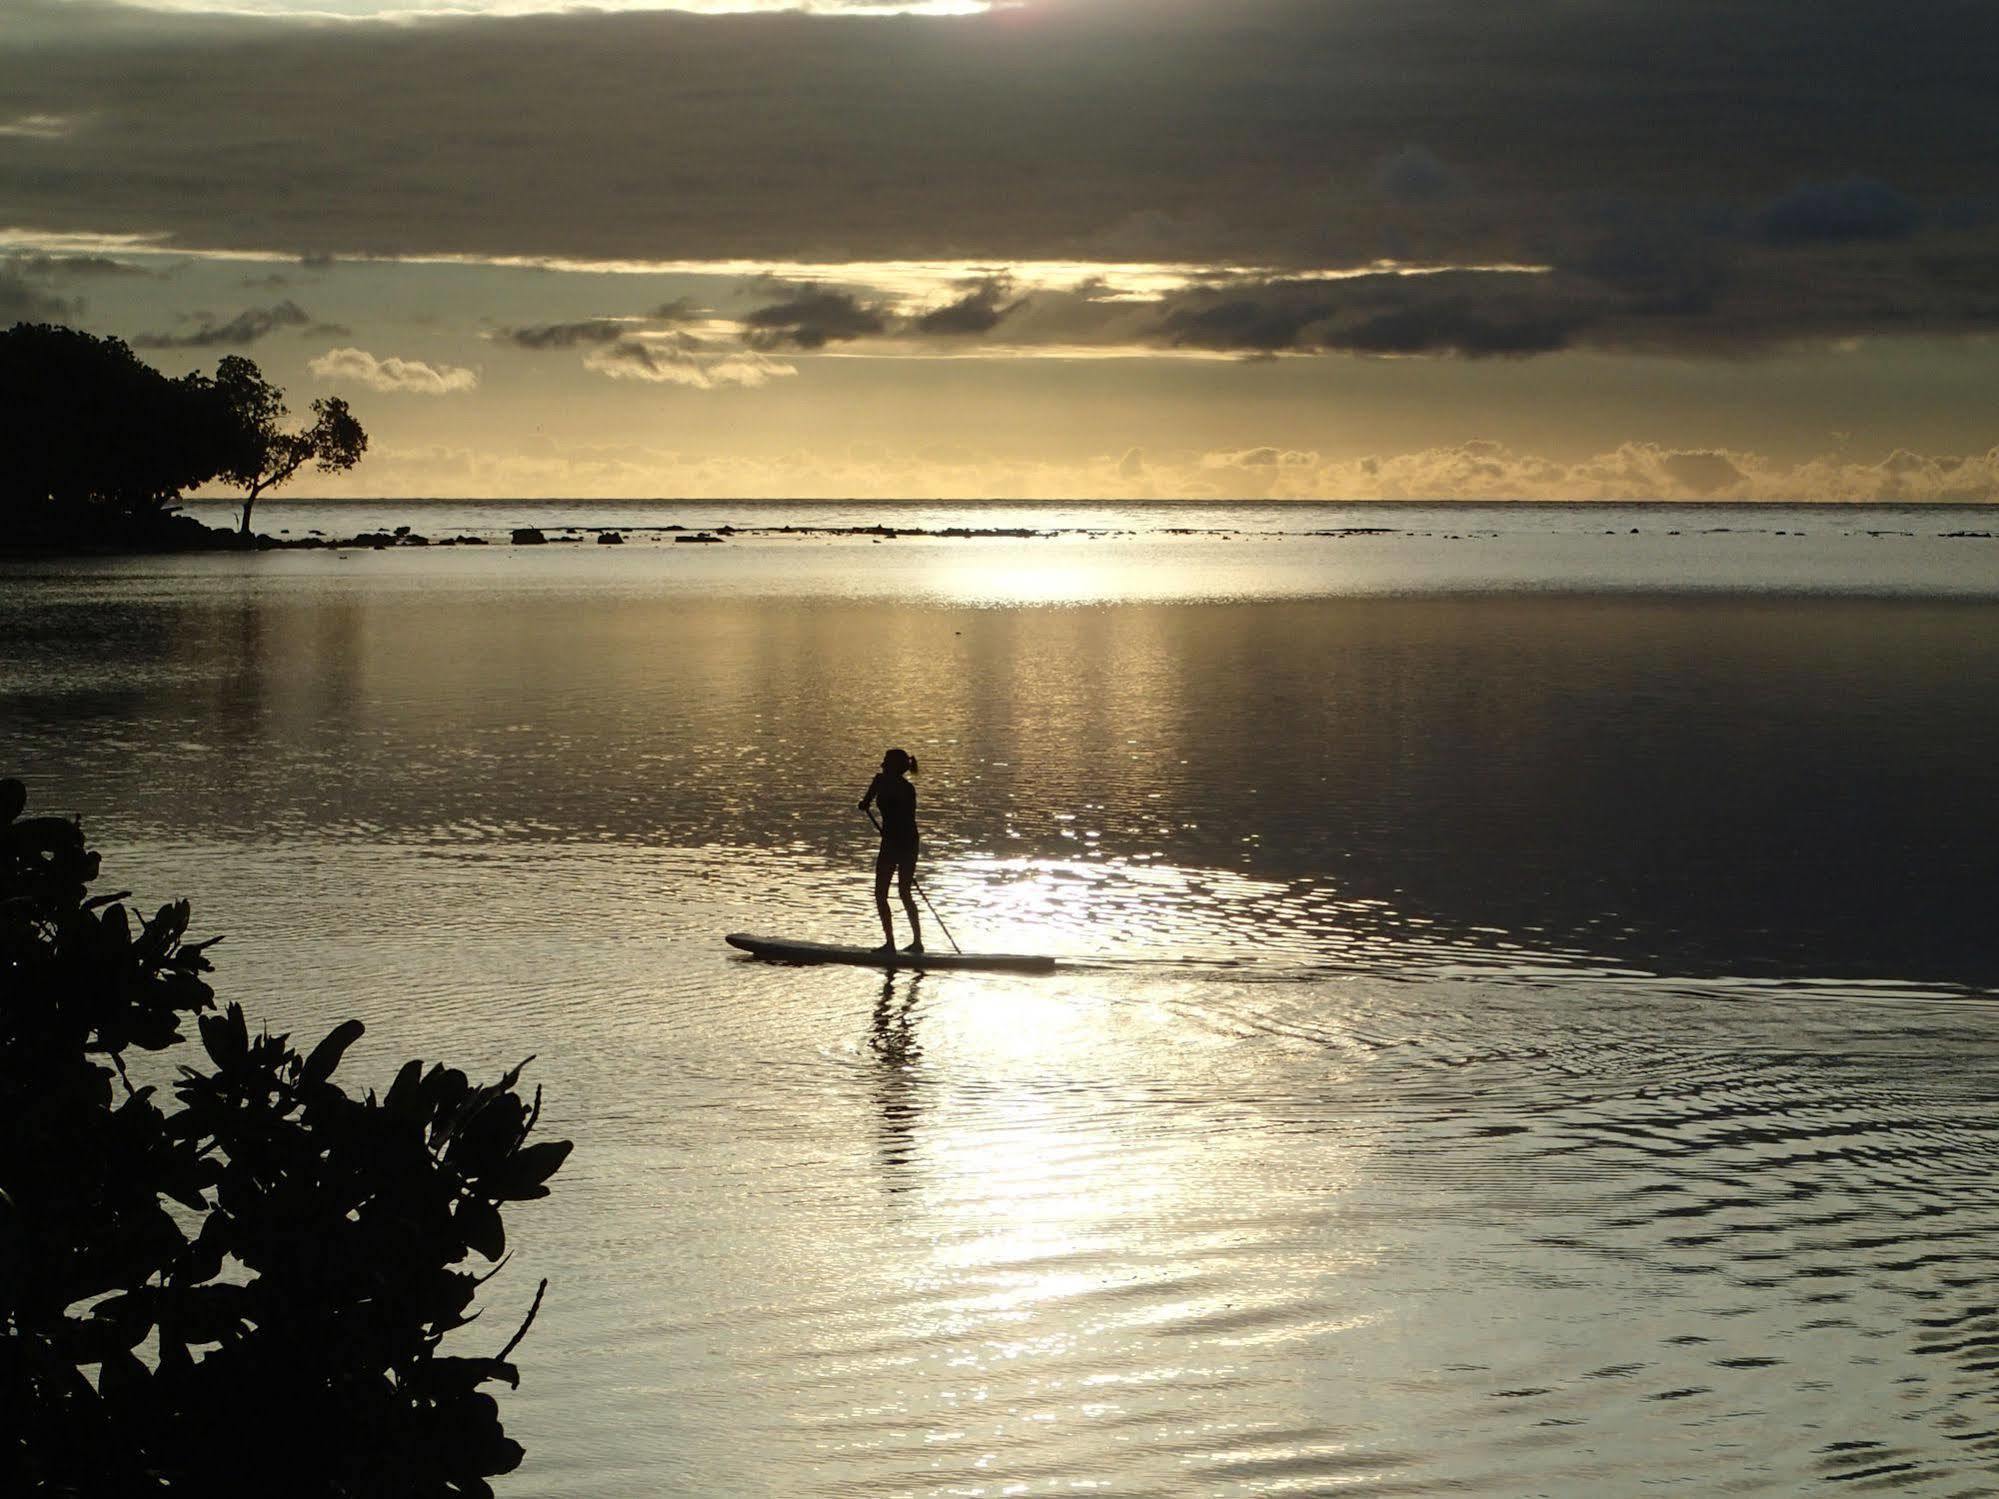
(249, 500)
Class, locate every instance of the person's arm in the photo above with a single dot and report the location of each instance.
(874, 790)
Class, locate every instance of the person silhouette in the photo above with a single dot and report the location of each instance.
(891, 790)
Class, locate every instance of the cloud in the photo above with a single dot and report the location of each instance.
(1260, 458)
(1831, 213)
(1470, 313)
(39, 127)
(1657, 267)
(246, 327)
(1650, 471)
(542, 336)
(405, 376)
(1485, 470)
(1471, 470)
(811, 318)
(683, 360)
(1212, 130)
(1705, 473)
(74, 265)
(1414, 175)
(22, 303)
(635, 348)
(980, 310)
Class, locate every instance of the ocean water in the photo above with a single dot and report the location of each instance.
(1527, 1023)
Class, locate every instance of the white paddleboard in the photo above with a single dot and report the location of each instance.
(784, 950)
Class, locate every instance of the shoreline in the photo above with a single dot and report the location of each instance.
(179, 532)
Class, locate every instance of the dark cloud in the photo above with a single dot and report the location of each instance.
(980, 310)
(1211, 133)
(604, 332)
(1657, 267)
(1414, 175)
(1462, 325)
(249, 325)
(22, 303)
(1469, 313)
(1260, 319)
(588, 332)
(75, 265)
(631, 354)
(1207, 126)
(1825, 213)
(811, 319)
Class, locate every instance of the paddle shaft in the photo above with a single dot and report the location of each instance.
(920, 891)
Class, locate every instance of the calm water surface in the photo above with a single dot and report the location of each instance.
(1530, 1025)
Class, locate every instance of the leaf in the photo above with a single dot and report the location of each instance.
(203, 1260)
(117, 925)
(207, 1314)
(480, 1227)
(466, 1374)
(119, 1373)
(444, 1089)
(90, 1340)
(226, 1037)
(404, 1099)
(525, 1171)
(326, 1056)
(132, 1312)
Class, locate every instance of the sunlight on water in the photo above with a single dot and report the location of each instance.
(1498, 1047)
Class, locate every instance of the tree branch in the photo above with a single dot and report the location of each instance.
(514, 1341)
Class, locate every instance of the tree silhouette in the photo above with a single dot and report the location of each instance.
(264, 455)
(262, 1274)
(95, 444)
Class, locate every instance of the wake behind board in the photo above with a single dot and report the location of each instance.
(782, 950)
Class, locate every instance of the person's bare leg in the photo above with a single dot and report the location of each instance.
(906, 874)
(883, 867)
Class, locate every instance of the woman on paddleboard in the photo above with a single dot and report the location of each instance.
(897, 798)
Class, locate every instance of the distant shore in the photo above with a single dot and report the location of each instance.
(391, 525)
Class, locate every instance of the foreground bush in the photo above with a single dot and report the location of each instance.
(260, 1271)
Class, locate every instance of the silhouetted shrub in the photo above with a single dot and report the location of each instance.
(260, 1272)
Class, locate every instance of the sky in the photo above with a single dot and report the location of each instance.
(1344, 249)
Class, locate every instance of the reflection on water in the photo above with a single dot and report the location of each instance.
(1511, 1044)
(895, 1044)
(1718, 786)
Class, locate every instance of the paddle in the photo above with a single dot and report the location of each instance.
(919, 890)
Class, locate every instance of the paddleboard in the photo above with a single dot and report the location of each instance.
(783, 950)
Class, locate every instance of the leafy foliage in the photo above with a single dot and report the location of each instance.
(93, 441)
(261, 1270)
(262, 454)
(97, 447)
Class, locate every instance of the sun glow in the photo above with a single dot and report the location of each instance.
(905, 283)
